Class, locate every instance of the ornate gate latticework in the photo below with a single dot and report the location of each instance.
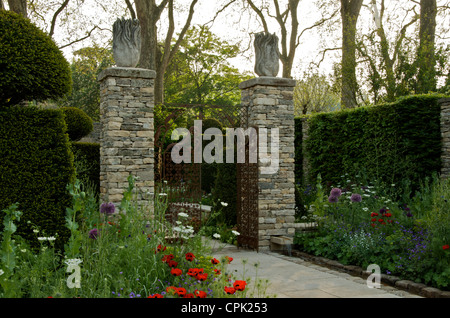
(182, 182)
(247, 207)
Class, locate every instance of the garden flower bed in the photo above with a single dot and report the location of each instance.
(363, 224)
(119, 252)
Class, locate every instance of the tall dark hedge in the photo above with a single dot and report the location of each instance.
(88, 156)
(225, 190)
(390, 142)
(31, 65)
(35, 167)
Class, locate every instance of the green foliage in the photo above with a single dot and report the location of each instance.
(87, 163)
(86, 66)
(392, 142)
(36, 166)
(314, 94)
(8, 250)
(209, 170)
(225, 191)
(31, 65)
(79, 124)
(200, 73)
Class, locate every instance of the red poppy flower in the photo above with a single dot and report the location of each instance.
(167, 258)
(190, 257)
(181, 291)
(230, 259)
(192, 272)
(202, 277)
(229, 290)
(190, 295)
(374, 214)
(214, 261)
(176, 272)
(217, 271)
(374, 220)
(172, 264)
(160, 248)
(200, 294)
(239, 285)
(380, 220)
(156, 296)
(446, 247)
(388, 215)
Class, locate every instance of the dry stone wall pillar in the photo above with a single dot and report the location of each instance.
(127, 132)
(445, 132)
(270, 105)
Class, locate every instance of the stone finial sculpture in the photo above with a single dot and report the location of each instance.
(126, 42)
(267, 54)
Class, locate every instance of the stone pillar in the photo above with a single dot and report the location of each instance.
(270, 105)
(127, 132)
(445, 132)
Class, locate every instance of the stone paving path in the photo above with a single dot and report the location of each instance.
(292, 277)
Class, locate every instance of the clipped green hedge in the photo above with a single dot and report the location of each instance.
(36, 166)
(31, 65)
(87, 163)
(79, 124)
(390, 142)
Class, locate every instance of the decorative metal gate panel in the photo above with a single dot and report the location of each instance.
(247, 207)
(182, 182)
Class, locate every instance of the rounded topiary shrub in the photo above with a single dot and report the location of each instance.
(31, 65)
(79, 124)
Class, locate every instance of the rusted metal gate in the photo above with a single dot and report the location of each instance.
(247, 207)
(182, 182)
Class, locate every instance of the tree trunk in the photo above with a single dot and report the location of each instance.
(426, 53)
(152, 56)
(349, 12)
(148, 14)
(18, 6)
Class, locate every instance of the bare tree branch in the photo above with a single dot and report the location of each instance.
(131, 9)
(220, 11)
(81, 39)
(260, 14)
(55, 16)
(317, 24)
(324, 52)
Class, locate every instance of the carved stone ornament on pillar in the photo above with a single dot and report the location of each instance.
(267, 55)
(126, 42)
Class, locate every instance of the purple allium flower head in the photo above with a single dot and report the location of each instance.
(356, 197)
(93, 234)
(336, 192)
(107, 208)
(333, 199)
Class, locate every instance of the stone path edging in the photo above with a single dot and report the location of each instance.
(406, 285)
